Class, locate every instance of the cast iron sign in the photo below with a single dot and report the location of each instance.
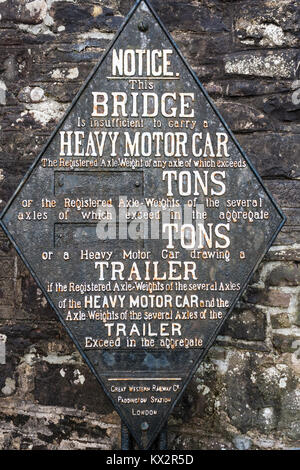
(142, 221)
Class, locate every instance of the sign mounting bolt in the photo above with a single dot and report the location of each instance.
(143, 27)
(144, 426)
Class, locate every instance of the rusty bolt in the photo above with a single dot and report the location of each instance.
(144, 426)
(143, 27)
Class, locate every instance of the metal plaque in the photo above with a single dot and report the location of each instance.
(142, 221)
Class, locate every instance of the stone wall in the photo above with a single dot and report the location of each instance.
(246, 394)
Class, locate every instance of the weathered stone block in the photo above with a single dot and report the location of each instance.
(273, 381)
(272, 298)
(33, 302)
(59, 92)
(85, 50)
(281, 108)
(210, 71)
(16, 63)
(286, 192)
(266, 419)
(7, 294)
(84, 17)
(51, 73)
(284, 275)
(259, 32)
(290, 414)
(285, 253)
(242, 401)
(288, 236)
(242, 443)
(293, 431)
(284, 343)
(293, 216)
(5, 245)
(246, 324)
(22, 11)
(31, 95)
(247, 87)
(243, 118)
(254, 17)
(262, 64)
(296, 319)
(211, 17)
(7, 268)
(33, 427)
(280, 320)
(201, 49)
(273, 155)
(71, 386)
(27, 341)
